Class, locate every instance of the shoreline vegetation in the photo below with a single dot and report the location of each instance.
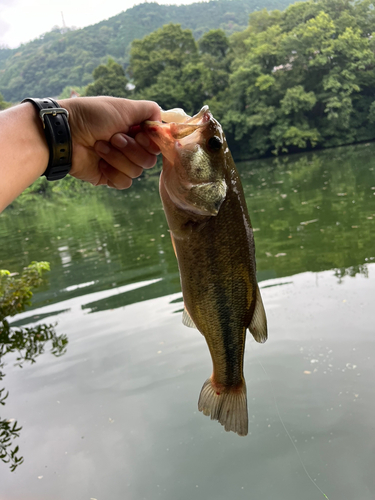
(291, 81)
(295, 80)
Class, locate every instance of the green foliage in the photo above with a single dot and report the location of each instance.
(3, 104)
(9, 430)
(65, 188)
(214, 43)
(109, 79)
(301, 78)
(294, 79)
(216, 58)
(63, 58)
(296, 100)
(291, 80)
(169, 67)
(15, 292)
(29, 343)
(168, 48)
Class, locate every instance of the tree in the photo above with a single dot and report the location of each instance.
(214, 43)
(216, 58)
(165, 67)
(168, 48)
(303, 77)
(109, 79)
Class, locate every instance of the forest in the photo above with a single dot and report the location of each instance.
(292, 80)
(67, 57)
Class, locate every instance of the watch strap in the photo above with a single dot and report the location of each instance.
(58, 136)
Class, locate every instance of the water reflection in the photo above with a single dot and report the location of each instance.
(310, 212)
(22, 345)
(352, 271)
(313, 212)
(123, 398)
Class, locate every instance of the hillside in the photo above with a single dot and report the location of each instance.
(48, 64)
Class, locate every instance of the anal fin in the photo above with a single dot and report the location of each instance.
(186, 319)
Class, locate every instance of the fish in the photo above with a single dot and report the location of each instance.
(212, 236)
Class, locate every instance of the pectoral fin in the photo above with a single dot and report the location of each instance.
(258, 324)
(174, 245)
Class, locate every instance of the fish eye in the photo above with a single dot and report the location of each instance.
(214, 144)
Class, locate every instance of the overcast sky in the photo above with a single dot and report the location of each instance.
(24, 20)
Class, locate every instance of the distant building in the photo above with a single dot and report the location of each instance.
(74, 93)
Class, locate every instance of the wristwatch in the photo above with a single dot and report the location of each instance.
(58, 136)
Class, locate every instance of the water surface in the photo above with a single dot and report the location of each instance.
(115, 416)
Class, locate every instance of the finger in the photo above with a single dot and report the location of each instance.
(118, 160)
(114, 178)
(139, 111)
(120, 141)
(101, 179)
(136, 153)
(147, 143)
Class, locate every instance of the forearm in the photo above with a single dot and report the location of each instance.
(24, 151)
(103, 153)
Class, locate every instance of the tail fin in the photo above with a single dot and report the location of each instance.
(229, 407)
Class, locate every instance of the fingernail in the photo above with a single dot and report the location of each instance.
(103, 148)
(119, 141)
(143, 140)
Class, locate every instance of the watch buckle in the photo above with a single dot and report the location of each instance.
(53, 112)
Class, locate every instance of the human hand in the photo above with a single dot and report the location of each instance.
(103, 152)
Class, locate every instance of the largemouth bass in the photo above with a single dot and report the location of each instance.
(213, 240)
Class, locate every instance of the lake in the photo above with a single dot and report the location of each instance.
(108, 410)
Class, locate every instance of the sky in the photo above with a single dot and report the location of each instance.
(24, 20)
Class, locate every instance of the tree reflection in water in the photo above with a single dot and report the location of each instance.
(27, 343)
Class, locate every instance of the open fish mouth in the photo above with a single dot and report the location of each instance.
(179, 124)
(178, 115)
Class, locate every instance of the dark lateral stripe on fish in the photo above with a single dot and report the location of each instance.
(232, 347)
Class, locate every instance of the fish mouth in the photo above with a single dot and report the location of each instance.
(178, 124)
(178, 115)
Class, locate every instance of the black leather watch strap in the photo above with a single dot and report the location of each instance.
(59, 139)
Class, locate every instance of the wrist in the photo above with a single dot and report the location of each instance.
(35, 141)
(56, 128)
